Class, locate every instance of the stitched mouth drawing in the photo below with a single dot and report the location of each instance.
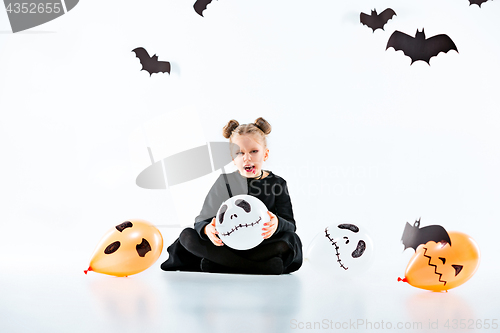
(341, 249)
(435, 266)
(236, 227)
(350, 243)
(337, 253)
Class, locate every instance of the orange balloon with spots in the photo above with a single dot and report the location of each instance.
(126, 249)
(441, 266)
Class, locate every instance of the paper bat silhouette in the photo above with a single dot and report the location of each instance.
(200, 5)
(419, 47)
(377, 21)
(476, 2)
(151, 64)
(413, 236)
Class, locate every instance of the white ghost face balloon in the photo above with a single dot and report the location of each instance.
(343, 249)
(240, 220)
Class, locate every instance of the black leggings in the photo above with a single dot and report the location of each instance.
(260, 259)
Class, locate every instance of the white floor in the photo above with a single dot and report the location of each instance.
(359, 134)
(45, 296)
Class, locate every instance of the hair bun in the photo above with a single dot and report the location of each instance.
(229, 128)
(263, 125)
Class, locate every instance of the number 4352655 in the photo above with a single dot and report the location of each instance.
(34, 8)
(472, 324)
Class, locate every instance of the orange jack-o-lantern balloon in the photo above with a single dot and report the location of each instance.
(441, 266)
(126, 249)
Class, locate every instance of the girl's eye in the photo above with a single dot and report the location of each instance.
(255, 151)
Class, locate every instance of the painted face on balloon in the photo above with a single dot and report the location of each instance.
(348, 243)
(440, 266)
(240, 220)
(126, 249)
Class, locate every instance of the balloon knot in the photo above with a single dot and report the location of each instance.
(87, 270)
(404, 279)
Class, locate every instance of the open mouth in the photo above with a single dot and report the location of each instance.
(236, 227)
(249, 168)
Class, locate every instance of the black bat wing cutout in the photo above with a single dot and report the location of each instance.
(477, 2)
(402, 42)
(413, 236)
(386, 15)
(200, 5)
(377, 21)
(418, 47)
(436, 44)
(141, 53)
(151, 64)
(367, 20)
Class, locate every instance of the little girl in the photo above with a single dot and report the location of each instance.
(200, 249)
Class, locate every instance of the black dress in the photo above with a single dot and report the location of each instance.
(271, 190)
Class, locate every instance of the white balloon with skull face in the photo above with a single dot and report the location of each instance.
(341, 249)
(240, 220)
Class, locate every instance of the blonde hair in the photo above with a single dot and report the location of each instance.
(260, 128)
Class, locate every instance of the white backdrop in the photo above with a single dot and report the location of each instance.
(359, 134)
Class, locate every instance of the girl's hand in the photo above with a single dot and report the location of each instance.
(270, 227)
(212, 233)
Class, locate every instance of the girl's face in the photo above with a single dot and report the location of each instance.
(249, 155)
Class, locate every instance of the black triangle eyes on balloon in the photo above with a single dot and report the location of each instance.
(458, 269)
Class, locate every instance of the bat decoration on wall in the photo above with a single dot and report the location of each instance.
(413, 236)
(151, 64)
(200, 5)
(377, 21)
(476, 2)
(419, 47)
